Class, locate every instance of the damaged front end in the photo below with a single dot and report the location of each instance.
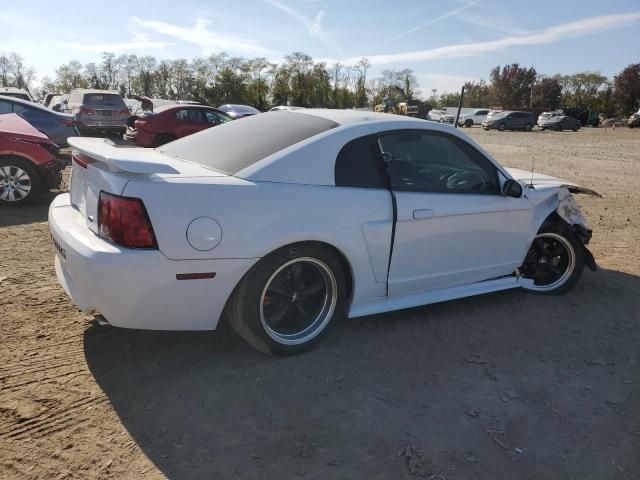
(569, 210)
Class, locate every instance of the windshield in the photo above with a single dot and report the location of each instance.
(226, 149)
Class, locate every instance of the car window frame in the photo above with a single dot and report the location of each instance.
(497, 171)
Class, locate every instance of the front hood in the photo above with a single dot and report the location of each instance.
(542, 180)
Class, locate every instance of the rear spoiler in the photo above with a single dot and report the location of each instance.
(130, 160)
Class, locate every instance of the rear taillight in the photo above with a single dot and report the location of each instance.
(125, 111)
(86, 111)
(124, 221)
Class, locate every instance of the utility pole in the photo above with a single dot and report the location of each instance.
(459, 107)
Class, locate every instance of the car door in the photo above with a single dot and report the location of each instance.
(453, 225)
(480, 116)
(188, 121)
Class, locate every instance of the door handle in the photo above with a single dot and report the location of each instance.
(422, 213)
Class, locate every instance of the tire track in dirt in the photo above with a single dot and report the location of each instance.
(52, 420)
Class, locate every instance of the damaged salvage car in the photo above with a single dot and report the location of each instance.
(29, 161)
(287, 221)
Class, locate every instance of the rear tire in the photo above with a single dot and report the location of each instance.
(527, 127)
(555, 260)
(163, 139)
(289, 300)
(19, 181)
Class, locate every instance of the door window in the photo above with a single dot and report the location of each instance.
(5, 107)
(426, 161)
(189, 115)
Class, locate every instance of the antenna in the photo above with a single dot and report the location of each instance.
(533, 163)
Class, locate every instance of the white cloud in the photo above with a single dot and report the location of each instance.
(209, 41)
(139, 42)
(450, 13)
(586, 26)
(313, 26)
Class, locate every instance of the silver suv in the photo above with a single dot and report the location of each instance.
(97, 110)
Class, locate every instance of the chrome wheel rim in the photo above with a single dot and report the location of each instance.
(15, 184)
(298, 301)
(550, 262)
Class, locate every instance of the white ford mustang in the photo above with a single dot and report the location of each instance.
(286, 221)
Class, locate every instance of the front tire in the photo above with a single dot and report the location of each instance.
(468, 123)
(19, 181)
(502, 127)
(555, 260)
(289, 300)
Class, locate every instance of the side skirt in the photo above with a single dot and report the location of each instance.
(385, 304)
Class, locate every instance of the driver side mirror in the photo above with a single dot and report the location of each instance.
(512, 188)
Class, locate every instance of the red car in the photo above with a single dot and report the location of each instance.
(29, 162)
(170, 122)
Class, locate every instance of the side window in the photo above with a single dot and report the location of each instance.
(19, 108)
(5, 107)
(189, 115)
(214, 117)
(482, 112)
(357, 164)
(435, 162)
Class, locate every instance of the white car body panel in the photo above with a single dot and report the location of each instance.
(446, 245)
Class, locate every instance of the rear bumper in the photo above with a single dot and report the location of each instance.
(137, 288)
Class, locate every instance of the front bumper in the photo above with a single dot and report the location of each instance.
(137, 288)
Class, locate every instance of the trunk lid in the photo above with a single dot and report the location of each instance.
(98, 165)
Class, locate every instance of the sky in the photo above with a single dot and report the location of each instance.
(445, 42)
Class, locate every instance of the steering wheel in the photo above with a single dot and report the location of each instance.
(472, 181)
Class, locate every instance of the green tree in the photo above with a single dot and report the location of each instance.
(626, 89)
(548, 93)
(512, 85)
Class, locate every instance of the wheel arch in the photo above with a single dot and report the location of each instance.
(342, 258)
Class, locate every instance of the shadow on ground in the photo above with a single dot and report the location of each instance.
(34, 212)
(508, 385)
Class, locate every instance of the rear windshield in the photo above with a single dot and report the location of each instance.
(103, 99)
(233, 146)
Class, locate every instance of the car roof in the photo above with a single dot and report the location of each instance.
(91, 90)
(182, 106)
(13, 90)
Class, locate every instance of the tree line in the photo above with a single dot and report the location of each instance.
(299, 80)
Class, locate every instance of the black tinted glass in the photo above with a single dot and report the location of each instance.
(356, 165)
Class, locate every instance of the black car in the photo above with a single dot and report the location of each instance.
(559, 122)
(509, 121)
(57, 126)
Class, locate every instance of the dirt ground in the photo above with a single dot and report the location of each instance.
(503, 386)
